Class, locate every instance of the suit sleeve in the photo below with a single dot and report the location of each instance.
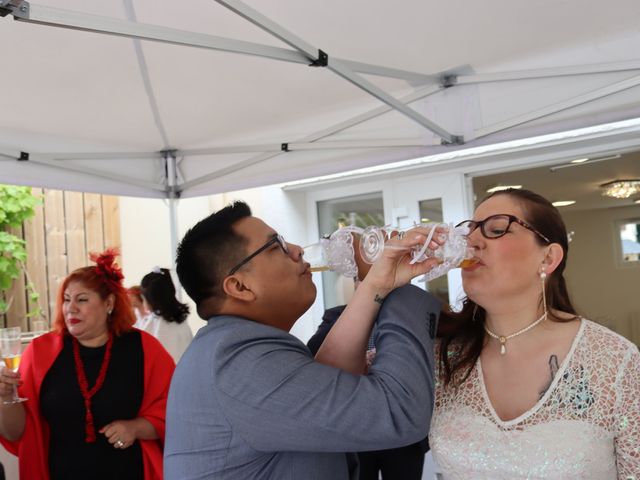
(279, 399)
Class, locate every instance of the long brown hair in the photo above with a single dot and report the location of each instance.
(105, 278)
(462, 333)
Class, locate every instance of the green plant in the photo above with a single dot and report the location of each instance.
(16, 205)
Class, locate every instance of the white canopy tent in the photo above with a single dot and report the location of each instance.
(218, 95)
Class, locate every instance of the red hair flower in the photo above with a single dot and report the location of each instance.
(107, 267)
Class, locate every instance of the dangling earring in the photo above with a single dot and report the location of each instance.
(543, 277)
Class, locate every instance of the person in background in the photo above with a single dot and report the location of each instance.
(137, 303)
(96, 388)
(167, 318)
(248, 401)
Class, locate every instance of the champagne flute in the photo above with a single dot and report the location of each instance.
(11, 351)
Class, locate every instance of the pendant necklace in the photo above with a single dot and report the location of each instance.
(503, 338)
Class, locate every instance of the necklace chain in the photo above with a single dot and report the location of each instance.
(503, 338)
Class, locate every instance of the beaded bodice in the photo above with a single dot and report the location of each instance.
(587, 425)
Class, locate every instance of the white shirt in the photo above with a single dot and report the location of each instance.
(586, 426)
(174, 337)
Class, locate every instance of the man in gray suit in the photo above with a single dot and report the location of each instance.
(248, 401)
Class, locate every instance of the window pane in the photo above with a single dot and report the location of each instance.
(630, 238)
(359, 210)
(431, 211)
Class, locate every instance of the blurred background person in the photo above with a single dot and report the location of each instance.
(167, 317)
(96, 387)
(137, 302)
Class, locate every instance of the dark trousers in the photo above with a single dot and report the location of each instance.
(404, 463)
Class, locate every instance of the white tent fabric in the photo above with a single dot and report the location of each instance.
(118, 113)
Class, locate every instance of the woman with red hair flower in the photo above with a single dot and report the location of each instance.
(96, 387)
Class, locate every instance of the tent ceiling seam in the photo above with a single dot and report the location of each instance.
(144, 73)
(336, 67)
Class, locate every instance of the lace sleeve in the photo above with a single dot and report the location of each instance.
(627, 441)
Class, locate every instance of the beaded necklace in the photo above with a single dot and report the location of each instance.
(87, 394)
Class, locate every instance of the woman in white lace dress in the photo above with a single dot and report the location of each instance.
(527, 389)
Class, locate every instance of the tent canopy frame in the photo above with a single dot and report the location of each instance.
(302, 53)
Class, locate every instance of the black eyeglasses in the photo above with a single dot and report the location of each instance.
(497, 226)
(276, 239)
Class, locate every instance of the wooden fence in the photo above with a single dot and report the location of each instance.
(67, 226)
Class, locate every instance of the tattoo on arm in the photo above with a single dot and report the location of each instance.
(378, 299)
(553, 369)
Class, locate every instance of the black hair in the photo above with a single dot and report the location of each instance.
(462, 333)
(158, 290)
(208, 251)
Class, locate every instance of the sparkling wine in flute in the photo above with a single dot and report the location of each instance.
(316, 256)
(11, 352)
(321, 268)
(12, 361)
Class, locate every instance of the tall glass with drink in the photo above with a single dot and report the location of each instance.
(335, 252)
(11, 352)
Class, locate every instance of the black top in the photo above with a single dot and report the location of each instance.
(120, 397)
(328, 319)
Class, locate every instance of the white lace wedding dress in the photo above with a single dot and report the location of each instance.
(586, 426)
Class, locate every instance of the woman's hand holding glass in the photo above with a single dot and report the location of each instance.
(11, 351)
(9, 381)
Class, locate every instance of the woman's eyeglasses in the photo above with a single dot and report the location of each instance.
(497, 226)
(276, 239)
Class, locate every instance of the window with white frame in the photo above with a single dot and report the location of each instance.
(360, 210)
(629, 234)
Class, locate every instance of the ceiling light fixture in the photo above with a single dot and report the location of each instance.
(621, 188)
(579, 160)
(637, 201)
(563, 203)
(497, 188)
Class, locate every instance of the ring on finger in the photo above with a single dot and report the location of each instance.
(119, 444)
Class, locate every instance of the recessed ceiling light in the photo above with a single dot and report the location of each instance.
(497, 188)
(563, 203)
(637, 201)
(425, 220)
(579, 160)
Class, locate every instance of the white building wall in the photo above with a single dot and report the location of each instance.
(146, 239)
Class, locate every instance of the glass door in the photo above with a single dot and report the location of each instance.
(434, 198)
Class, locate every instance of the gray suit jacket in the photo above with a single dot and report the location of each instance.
(247, 401)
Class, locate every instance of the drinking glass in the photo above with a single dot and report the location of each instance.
(11, 351)
(336, 252)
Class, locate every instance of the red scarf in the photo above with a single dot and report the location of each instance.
(84, 386)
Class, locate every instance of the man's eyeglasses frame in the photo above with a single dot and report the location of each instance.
(279, 239)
